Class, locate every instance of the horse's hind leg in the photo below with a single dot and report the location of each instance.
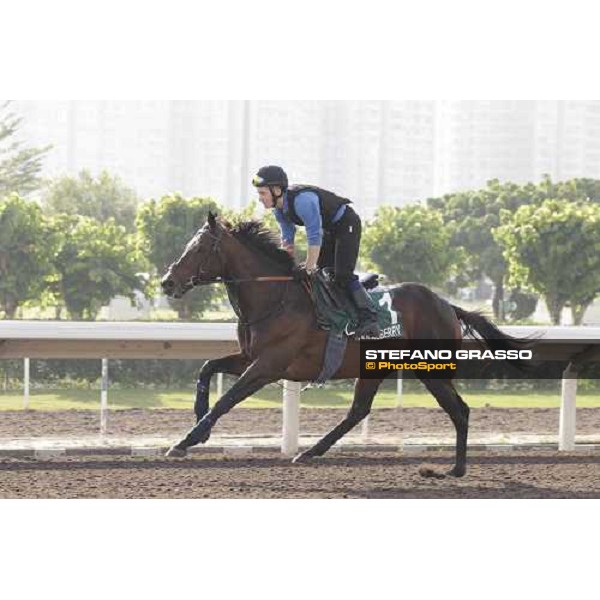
(449, 399)
(364, 392)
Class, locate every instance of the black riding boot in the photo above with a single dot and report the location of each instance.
(368, 325)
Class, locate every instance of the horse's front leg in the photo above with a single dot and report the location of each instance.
(262, 371)
(233, 364)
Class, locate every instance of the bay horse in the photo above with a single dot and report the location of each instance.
(279, 337)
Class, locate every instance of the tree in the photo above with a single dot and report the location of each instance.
(471, 216)
(270, 222)
(522, 304)
(554, 248)
(165, 227)
(580, 189)
(100, 198)
(25, 252)
(95, 262)
(232, 215)
(19, 166)
(300, 241)
(409, 244)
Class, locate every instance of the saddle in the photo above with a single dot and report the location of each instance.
(337, 314)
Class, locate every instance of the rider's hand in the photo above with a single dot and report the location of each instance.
(310, 267)
(300, 273)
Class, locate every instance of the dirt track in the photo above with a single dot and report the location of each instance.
(352, 474)
(242, 421)
(376, 475)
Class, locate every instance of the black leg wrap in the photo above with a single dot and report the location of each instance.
(201, 405)
(200, 432)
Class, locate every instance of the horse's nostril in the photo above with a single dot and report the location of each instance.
(168, 284)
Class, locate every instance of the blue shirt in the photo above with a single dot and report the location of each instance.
(307, 208)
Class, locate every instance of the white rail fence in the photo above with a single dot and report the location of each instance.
(105, 340)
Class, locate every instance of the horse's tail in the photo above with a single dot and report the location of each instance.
(479, 327)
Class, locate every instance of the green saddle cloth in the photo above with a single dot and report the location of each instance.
(337, 313)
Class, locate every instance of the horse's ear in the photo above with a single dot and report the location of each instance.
(212, 220)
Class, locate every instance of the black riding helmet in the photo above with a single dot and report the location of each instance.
(269, 176)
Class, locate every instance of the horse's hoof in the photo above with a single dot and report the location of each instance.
(204, 437)
(304, 457)
(456, 472)
(176, 452)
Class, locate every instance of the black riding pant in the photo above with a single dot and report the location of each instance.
(339, 248)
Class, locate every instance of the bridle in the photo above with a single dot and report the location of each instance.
(196, 279)
(215, 248)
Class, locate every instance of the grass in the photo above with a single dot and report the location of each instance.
(82, 399)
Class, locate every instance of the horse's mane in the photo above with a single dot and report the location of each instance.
(255, 234)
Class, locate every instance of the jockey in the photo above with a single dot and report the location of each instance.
(333, 232)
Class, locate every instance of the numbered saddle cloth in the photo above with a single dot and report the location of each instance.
(337, 313)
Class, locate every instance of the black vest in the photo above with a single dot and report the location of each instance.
(329, 203)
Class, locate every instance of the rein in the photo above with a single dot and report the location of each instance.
(196, 280)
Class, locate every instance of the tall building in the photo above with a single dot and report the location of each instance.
(482, 140)
(567, 139)
(128, 138)
(374, 152)
(289, 133)
(517, 140)
(407, 143)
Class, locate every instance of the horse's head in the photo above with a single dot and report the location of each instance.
(201, 261)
